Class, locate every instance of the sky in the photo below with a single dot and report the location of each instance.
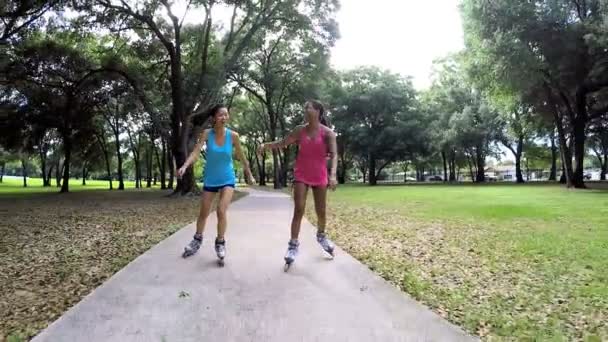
(404, 36)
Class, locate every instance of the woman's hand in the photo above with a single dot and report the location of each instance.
(333, 183)
(181, 171)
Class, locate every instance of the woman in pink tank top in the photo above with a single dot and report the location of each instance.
(315, 141)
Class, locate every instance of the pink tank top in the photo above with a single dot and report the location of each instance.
(311, 162)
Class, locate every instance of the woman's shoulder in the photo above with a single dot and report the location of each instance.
(233, 133)
(328, 131)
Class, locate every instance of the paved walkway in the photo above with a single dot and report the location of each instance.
(161, 297)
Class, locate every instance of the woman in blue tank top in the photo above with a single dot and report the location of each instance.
(218, 177)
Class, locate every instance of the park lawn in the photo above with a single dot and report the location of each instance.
(523, 262)
(56, 248)
(13, 186)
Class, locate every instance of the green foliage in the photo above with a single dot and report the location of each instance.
(379, 115)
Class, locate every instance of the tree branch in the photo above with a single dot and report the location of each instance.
(181, 22)
(260, 20)
(382, 168)
(127, 10)
(242, 84)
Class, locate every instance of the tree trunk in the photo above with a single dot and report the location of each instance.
(149, 167)
(171, 165)
(364, 172)
(49, 173)
(261, 165)
(518, 174)
(276, 170)
(121, 181)
(518, 153)
(372, 170)
(59, 172)
(161, 165)
(342, 170)
(445, 166)
(84, 175)
(24, 171)
(46, 181)
(453, 177)
(471, 168)
(180, 125)
(553, 174)
(480, 162)
(137, 173)
(565, 153)
(579, 153)
(284, 166)
(101, 139)
(109, 172)
(604, 170)
(3, 164)
(67, 147)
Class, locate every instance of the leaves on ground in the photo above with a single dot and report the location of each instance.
(56, 248)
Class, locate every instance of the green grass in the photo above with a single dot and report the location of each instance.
(527, 262)
(14, 186)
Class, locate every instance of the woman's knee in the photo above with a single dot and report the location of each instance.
(222, 211)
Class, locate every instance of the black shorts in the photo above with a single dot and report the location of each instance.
(217, 188)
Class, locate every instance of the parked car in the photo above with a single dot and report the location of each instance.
(434, 179)
(587, 176)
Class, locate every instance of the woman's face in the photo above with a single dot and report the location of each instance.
(310, 112)
(221, 116)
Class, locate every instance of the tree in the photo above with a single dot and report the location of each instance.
(3, 159)
(101, 139)
(515, 132)
(556, 48)
(216, 58)
(447, 96)
(57, 86)
(476, 129)
(248, 114)
(464, 123)
(381, 107)
(283, 71)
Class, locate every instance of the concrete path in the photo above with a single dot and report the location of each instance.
(162, 297)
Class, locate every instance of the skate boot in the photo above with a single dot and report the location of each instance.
(220, 251)
(193, 246)
(325, 243)
(292, 253)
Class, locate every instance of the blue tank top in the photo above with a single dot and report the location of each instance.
(219, 169)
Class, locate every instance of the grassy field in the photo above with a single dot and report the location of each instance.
(12, 186)
(523, 262)
(56, 248)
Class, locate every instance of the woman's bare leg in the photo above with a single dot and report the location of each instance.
(300, 191)
(222, 208)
